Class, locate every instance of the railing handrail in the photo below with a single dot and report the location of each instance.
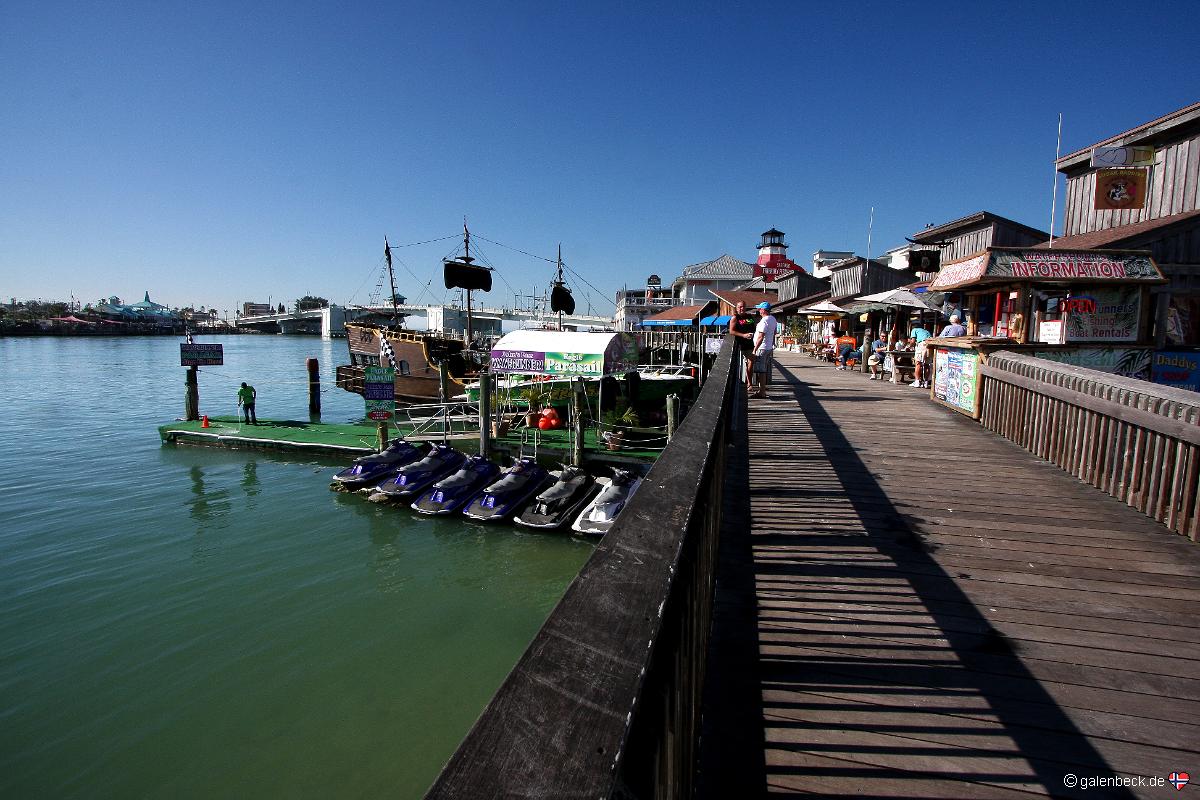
(562, 722)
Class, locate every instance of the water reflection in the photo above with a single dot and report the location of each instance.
(206, 506)
(250, 479)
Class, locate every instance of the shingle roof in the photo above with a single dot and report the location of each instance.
(1115, 236)
(726, 267)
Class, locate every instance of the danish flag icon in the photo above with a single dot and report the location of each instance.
(1179, 779)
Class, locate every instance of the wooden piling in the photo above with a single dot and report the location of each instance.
(191, 396)
(314, 387)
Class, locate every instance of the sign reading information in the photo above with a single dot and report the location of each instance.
(1085, 266)
(201, 355)
(379, 390)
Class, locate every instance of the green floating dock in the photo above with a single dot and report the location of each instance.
(283, 435)
(355, 439)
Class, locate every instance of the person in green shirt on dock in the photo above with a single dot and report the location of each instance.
(246, 397)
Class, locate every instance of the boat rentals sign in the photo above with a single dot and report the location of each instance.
(379, 390)
(201, 355)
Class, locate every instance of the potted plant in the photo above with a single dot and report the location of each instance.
(533, 414)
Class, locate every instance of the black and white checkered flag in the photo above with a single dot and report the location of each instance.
(187, 336)
(385, 351)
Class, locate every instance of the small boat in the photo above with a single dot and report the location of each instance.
(452, 493)
(559, 504)
(372, 469)
(599, 515)
(415, 478)
(505, 497)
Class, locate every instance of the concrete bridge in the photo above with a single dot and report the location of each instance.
(331, 321)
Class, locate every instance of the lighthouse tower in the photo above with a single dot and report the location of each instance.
(773, 262)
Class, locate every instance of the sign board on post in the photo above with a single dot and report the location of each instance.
(379, 390)
(201, 355)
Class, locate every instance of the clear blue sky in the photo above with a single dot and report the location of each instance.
(214, 153)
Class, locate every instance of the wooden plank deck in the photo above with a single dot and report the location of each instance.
(940, 614)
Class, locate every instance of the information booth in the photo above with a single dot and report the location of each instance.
(1090, 308)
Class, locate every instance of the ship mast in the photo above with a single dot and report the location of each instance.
(558, 281)
(387, 253)
(467, 260)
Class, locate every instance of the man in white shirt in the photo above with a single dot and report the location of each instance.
(764, 347)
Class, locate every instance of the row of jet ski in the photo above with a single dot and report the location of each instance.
(437, 479)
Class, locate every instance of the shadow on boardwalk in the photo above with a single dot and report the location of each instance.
(881, 675)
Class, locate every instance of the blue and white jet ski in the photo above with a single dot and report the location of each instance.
(377, 467)
(559, 504)
(453, 492)
(600, 514)
(505, 497)
(415, 478)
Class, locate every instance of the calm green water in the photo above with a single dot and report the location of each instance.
(184, 622)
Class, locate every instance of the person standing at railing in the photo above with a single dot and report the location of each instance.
(764, 347)
(741, 325)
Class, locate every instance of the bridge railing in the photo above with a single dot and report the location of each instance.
(606, 700)
(1134, 440)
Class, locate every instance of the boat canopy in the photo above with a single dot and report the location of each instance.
(565, 353)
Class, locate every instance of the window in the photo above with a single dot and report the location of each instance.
(403, 368)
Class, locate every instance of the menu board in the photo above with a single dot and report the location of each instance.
(956, 379)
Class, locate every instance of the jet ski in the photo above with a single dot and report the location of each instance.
(452, 493)
(505, 497)
(598, 516)
(559, 504)
(415, 478)
(376, 467)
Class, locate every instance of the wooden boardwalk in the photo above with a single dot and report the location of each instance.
(936, 613)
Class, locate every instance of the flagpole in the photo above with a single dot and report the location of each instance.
(1054, 193)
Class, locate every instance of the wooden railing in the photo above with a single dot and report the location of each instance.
(1136, 441)
(351, 378)
(606, 700)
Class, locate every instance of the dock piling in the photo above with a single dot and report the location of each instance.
(314, 387)
(191, 397)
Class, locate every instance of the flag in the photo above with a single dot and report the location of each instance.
(187, 336)
(385, 351)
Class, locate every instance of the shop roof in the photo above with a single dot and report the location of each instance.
(751, 299)
(1115, 237)
(1147, 130)
(677, 314)
(791, 306)
(939, 232)
(726, 267)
